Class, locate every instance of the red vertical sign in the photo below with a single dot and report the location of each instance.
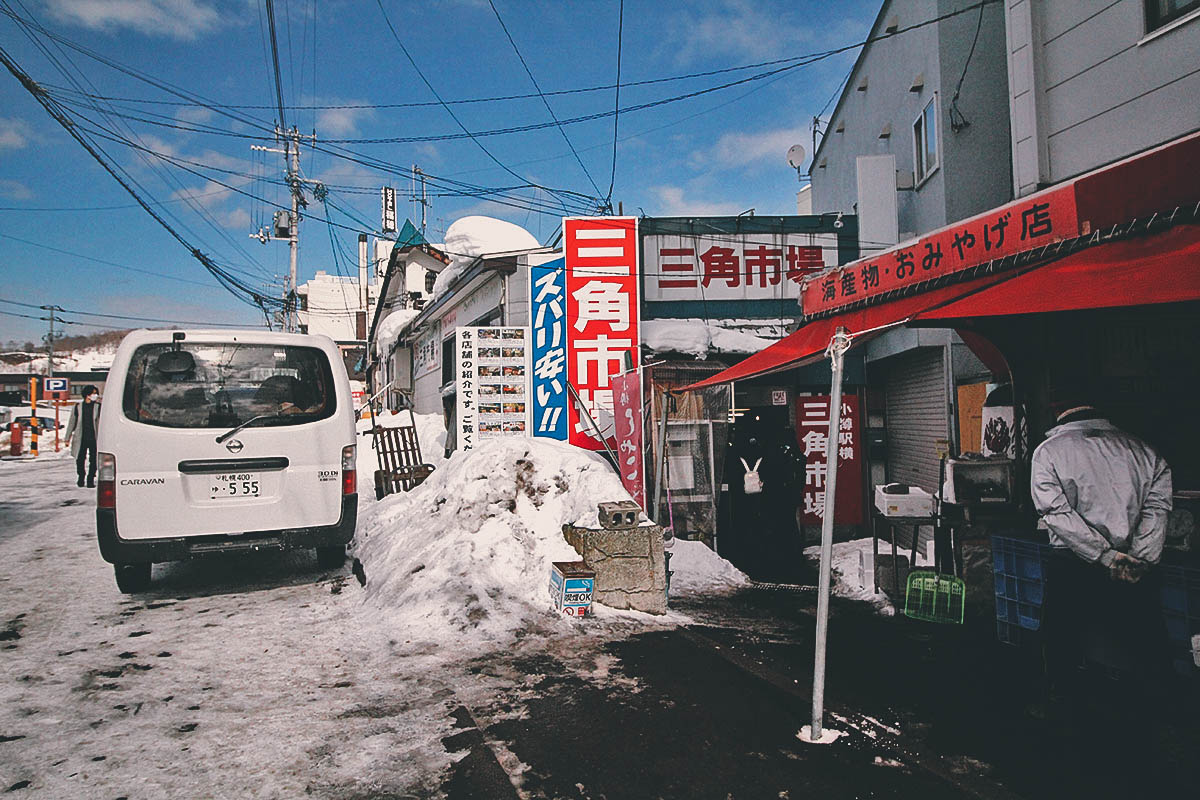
(601, 256)
(812, 433)
(627, 412)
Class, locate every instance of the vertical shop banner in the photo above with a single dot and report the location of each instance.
(627, 412)
(812, 433)
(548, 314)
(602, 302)
(493, 384)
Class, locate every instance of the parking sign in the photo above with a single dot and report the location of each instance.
(53, 385)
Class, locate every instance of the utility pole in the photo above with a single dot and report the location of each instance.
(288, 229)
(50, 337)
(422, 199)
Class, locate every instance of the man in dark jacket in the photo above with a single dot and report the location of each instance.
(81, 433)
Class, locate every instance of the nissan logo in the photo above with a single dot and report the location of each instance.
(233, 446)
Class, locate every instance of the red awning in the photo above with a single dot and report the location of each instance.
(1164, 268)
(809, 342)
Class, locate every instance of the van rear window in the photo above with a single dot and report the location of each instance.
(222, 385)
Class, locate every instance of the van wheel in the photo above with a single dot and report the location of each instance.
(331, 557)
(132, 578)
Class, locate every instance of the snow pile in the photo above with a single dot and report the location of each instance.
(93, 358)
(698, 570)
(471, 237)
(389, 328)
(853, 571)
(699, 337)
(465, 557)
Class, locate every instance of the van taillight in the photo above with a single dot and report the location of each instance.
(106, 484)
(349, 476)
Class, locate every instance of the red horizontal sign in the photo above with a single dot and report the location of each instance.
(1022, 225)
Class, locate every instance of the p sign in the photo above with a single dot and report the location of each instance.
(56, 388)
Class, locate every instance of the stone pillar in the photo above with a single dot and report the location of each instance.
(629, 564)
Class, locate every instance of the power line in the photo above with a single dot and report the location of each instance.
(545, 101)
(617, 111)
(466, 132)
(234, 285)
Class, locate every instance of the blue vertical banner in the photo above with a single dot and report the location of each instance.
(548, 323)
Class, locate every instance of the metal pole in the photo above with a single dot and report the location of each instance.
(836, 352)
(662, 455)
(596, 427)
(33, 417)
(293, 226)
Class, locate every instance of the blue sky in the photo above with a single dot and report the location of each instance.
(345, 77)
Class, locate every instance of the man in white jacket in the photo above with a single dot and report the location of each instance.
(1104, 495)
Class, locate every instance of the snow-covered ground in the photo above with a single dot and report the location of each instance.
(852, 571)
(261, 675)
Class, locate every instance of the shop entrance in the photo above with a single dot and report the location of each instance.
(759, 534)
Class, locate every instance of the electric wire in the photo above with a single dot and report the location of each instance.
(617, 110)
(542, 95)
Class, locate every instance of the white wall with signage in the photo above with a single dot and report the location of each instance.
(723, 266)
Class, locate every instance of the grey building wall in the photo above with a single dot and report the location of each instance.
(1091, 85)
(974, 162)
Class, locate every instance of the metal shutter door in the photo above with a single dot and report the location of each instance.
(917, 416)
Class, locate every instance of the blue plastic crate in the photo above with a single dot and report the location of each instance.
(1019, 570)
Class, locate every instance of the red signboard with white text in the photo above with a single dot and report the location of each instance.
(1025, 224)
(601, 255)
(627, 413)
(812, 433)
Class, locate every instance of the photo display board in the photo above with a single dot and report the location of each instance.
(493, 383)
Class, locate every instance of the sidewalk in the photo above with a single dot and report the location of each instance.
(712, 711)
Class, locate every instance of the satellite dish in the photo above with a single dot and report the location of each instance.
(795, 156)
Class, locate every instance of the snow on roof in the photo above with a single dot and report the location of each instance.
(699, 337)
(388, 329)
(471, 237)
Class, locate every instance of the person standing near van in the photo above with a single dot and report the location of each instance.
(84, 417)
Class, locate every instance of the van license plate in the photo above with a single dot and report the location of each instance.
(234, 484)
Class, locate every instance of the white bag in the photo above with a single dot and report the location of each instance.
(751, 481)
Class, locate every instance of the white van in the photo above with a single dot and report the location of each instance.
(223, 440)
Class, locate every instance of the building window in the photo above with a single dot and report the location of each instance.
(1162, 12)
(925, 142)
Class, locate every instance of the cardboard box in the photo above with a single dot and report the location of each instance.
(572, 584)
(917, 503)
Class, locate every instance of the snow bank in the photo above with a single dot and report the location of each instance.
(464, 559)
(699, 337)
(390, 326)
(471, 237)
(698, 570)
(853, 571)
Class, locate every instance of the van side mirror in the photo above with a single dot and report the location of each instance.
(175, 362)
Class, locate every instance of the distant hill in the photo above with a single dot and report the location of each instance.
(71, 353)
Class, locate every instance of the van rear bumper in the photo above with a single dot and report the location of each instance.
(116, 550)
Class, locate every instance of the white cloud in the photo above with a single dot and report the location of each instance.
(177, 19)
(741, 149)
(341, 122)
(194, 115)
(741, 29)
(15, 190)
(672, 203)
(14, 134)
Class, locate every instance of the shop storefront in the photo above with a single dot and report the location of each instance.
(1097, 284)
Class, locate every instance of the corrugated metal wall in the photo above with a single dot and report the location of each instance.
(917, 416)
